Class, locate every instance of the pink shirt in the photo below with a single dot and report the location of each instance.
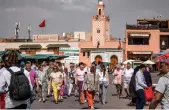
(80, 74)
(117, 76)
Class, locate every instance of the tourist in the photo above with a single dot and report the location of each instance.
(11, 60)
(91, 86)
(127, 77)
(34, 81)
(132, 88)
(34, 66)
(49, 71)
(56, 80)
(117, 81)
(162, 89)
(140, 86)
(71, 79)
(104, 82)
(45, 66)
(79, 78)
(2, 93)
(42, 79)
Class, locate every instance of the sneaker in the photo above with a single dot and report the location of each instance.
(131, 104)
(40, 100)
(56, 102)
(44, 100)
(85, 100)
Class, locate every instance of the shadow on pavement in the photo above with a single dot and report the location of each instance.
(89, 108)
(114, 94)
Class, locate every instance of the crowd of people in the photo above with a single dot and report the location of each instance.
(49, 80)
(22, 84)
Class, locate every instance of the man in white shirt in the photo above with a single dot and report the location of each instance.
(128, 72)
(11, 61)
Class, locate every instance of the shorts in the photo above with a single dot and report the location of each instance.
(126, 83)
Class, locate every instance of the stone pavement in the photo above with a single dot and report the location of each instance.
(71, 102)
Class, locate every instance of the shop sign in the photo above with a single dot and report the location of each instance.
(73, 54)
(141, 52)
(144, 35)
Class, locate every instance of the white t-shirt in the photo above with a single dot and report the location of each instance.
(5, 79)
(80, 74)
(102, 77)
(128, 73)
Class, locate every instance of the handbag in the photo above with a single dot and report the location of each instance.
(149, 94)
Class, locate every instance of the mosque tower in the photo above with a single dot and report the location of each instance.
(100, 26)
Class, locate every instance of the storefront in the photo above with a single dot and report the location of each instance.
(143, 56)
(73, 54)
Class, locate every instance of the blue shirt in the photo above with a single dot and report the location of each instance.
(140, 81)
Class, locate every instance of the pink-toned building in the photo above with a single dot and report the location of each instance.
(147, 37)
(101, 47)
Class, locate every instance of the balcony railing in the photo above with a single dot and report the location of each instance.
(16, 40)
(164, 30)
(136, 27)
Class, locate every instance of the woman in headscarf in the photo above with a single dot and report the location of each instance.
(117, 81)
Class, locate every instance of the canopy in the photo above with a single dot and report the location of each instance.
(128, 61)
(160, 53)
(148, 62)
(45, 56)
(164, 56)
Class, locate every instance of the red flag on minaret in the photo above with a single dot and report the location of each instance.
(42, 24)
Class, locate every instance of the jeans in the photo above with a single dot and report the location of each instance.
(103, 93)
(140, 102)
(69, 87)
(32, 99)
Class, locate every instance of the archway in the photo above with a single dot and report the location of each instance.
(113, 61)
(98, 58)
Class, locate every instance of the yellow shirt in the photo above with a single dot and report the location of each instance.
(56, 76)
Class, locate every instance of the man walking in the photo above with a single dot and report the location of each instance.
(140, 86)
(128, 72)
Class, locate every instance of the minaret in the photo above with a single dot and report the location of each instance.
(100, 26)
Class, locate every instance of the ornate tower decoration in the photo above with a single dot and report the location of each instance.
(100, 26)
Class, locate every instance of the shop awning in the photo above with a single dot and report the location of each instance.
(139, 35)
(57, 45)
(45, 57)
(160, 53)
(31, 46)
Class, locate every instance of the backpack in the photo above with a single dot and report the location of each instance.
(19, 88)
